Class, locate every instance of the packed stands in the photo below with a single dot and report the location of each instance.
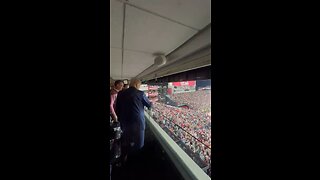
(190, 126)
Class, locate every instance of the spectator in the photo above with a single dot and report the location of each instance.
(126, 86)
(130, 111)
(118, 85)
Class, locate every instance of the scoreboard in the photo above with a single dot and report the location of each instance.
(181, 87)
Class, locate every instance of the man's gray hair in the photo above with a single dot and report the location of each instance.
(135, 82)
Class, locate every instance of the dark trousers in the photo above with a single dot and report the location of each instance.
(110, 170)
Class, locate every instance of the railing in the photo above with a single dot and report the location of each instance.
(189, 143)
(186, 166)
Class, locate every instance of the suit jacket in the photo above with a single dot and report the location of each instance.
(130, 109)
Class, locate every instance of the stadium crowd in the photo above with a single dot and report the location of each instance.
(199, 101)
(196, 120)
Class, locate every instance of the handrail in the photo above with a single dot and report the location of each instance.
(186, 166)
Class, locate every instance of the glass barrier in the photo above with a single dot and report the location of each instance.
(183, 111)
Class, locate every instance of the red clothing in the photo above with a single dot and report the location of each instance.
(113, 97)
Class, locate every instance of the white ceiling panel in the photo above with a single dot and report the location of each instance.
(149, 33)
(115, 62)
(116, 23)
(194, 13)
(135, 62)
(151, 26)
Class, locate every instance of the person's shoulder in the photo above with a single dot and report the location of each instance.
(120, 93)
(140, 92)
(112, 91)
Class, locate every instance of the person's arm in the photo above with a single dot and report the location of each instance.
(146, 101)
(119, 104)
(112, 111)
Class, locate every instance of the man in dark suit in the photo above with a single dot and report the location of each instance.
(130, 110)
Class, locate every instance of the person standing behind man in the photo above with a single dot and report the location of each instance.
(126, 86)
(118, 85)
(130, 110)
